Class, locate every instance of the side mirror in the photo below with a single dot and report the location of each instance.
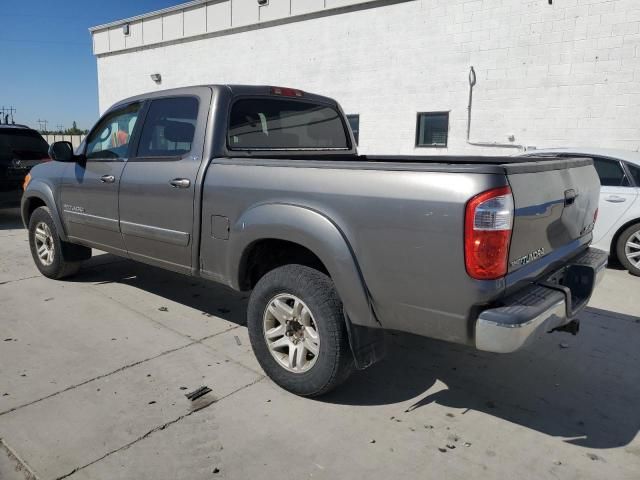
(62, 152)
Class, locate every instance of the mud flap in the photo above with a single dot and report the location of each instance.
(367, 344)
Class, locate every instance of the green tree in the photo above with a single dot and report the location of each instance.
(74, 130)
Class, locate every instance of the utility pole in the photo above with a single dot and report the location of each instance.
(8, 111)
(43, 125)
(60, 128)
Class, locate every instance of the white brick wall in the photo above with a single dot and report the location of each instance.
(551, 75)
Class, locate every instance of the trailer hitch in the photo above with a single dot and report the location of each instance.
(573, 327)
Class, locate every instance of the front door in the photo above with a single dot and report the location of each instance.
(89, 189)
(617, 195)
(157, 190)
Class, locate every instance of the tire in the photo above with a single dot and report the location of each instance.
(62, 259)
(320, 311)
(626, 246)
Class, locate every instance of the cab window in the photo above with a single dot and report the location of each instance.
(110, 139)
(169, 127)
(278, 124)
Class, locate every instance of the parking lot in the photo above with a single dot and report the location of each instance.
(94, 371)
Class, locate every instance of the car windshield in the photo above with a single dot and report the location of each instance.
(22, 144)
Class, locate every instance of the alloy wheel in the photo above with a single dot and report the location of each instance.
(632, 249)
(291, 333)
(44, 243)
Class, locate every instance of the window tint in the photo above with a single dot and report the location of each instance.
(111, 137)
(610, 172)
(273, 124)
(432, 129)
(635, 173)
(22, 144)
(169, 127)
(354, 123)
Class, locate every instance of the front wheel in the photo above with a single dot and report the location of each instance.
(298, 332)
(53, 257)
(628, 249)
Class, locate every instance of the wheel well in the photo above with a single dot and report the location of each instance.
(265, 255)
(33, 203)
(614, 240)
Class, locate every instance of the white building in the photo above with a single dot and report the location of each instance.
(548, 72)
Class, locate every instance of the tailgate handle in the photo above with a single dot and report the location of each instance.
(180, 183)
(570, 197)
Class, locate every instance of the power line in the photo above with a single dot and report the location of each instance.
(41, 123)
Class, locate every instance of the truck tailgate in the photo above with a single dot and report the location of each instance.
(556, 205)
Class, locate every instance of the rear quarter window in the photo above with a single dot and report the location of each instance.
(278, 124)
(23, 145)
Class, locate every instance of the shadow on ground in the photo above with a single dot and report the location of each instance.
(208, 297)
(582, 389)
(10, 219)
(587, 393)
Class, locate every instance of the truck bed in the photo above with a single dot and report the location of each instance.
(433, 163)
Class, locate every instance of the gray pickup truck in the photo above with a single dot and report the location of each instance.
(261, 189)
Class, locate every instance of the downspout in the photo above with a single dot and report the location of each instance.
(472, 83)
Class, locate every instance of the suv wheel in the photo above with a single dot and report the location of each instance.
(298, 332)
(628, 249)
(53, 257)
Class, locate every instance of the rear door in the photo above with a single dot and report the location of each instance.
(89, 189)
(157, 191)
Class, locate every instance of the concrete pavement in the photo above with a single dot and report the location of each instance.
(93, 373)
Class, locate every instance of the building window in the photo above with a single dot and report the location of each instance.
(432, 129)
(354, 123)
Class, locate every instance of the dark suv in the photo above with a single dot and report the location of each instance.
(20, 149)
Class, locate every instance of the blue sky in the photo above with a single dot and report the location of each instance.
(47, 70)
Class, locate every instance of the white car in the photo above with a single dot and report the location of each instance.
(617, 229)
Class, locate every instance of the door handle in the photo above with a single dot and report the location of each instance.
(180, 183)
(615, 199)
(107, 179)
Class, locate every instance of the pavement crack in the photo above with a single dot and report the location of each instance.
(118, 370)
(19, 279)
(29, 474)
(159, 428)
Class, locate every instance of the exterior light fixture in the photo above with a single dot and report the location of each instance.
(156, 77)
(125, 29)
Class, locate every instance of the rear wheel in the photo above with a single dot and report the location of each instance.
(628, 249)
(298, 332)
(53, 257)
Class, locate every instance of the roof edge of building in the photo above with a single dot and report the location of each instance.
(155, 13)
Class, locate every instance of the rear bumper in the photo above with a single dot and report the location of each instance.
(543, 306)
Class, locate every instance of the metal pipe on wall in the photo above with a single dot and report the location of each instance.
(472, 83)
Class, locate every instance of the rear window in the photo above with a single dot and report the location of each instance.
(277, 124)
(22, 145)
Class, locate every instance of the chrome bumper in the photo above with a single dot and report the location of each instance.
(543, 306)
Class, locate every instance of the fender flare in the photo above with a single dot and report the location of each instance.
(42, 191)
(316, 232)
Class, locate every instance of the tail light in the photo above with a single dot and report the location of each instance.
(487, 233)
(286, 92)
